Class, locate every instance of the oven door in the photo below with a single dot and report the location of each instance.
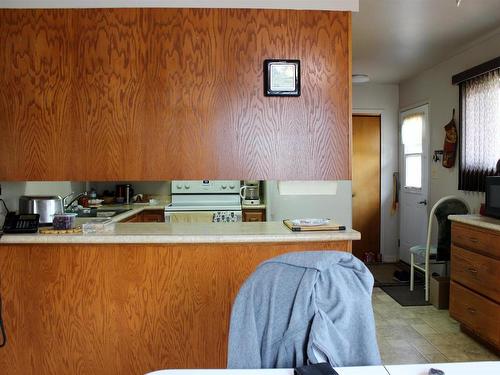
(202, 216)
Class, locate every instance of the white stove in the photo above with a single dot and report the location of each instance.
(204, 201)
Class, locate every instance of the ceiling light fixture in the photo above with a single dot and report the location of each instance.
(360, 78)
(458, 3)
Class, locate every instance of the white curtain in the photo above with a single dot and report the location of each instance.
(481, 122)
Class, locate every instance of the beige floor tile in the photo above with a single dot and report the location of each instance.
(423, 328)
(436, 358)
(401, 358)
(397, 322)
(423, 346)
(421, 334)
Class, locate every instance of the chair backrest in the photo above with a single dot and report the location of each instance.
(449, 205)
(310, 306)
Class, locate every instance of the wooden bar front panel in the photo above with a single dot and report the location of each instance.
(124, 309)
(152, 94)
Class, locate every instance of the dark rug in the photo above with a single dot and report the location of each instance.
(402, 294)
(392, 274)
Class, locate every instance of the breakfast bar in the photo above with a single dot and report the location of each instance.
(148, 295)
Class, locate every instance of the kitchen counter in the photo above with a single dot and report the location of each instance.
(186, 233)
(154, 288)
(478, 221)
(260, 206)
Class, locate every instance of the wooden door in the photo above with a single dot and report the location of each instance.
(366, 184)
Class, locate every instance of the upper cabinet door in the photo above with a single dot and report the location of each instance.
(152, 94)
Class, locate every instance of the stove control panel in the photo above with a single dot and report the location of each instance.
(206, 187)
(227, 217)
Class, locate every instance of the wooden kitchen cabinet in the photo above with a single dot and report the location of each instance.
(153, 216)
(124, 309)
(156, 94)
(254, 215)
(146, 216)
(131, 219)
(475, 281)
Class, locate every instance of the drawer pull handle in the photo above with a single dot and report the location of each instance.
(473, 240)
(471, 310)
(472, 270)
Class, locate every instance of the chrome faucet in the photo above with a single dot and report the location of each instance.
(68, 205)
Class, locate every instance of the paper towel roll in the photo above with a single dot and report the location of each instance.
(307, 187)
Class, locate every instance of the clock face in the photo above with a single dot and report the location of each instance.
(282, 77)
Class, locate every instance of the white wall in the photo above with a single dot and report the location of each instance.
(159, 189)
(337, 207)
(383, 99)
(434, 86)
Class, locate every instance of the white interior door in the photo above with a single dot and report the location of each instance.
(414, 178)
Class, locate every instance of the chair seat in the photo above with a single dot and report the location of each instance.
(419, 250)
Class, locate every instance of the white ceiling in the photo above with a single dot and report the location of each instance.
(261, 4)
(395, 39)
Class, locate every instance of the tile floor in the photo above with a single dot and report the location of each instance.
(421, 334)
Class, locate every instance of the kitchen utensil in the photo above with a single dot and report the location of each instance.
(60, 231)
(45, 206)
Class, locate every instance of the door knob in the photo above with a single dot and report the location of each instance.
(424, 202)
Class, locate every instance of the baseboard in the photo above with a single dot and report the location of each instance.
(389, 259)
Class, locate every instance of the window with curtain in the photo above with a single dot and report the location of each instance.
(480, 129)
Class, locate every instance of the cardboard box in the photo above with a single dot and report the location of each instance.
(440, 291)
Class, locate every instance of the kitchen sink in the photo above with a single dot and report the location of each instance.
(101, 212)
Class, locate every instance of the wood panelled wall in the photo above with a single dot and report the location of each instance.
(150, 94)
(124, 309)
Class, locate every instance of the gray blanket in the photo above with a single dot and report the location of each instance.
(302, 308)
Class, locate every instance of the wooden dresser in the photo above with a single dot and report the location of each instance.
(475, 277)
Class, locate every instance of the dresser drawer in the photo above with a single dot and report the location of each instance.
(482, 240)
(475, 312)
(477, 272)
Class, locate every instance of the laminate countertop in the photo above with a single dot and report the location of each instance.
(188, 233)
(478, 221)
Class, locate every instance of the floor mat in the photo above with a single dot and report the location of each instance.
(402, 294)
(383, 273)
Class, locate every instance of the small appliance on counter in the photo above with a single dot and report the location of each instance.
(45, 206)
(250, 193)
(492, 201)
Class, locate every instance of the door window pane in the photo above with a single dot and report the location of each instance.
(413, 171)
(411, 133)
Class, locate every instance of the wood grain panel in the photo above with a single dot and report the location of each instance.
(481, 240)
(150, 94)
(124, 309)
(36, 88)
(477, 272)
(366, 184)
(477, 313)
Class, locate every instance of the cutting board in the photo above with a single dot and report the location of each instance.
(331, 226)
(51, 230)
